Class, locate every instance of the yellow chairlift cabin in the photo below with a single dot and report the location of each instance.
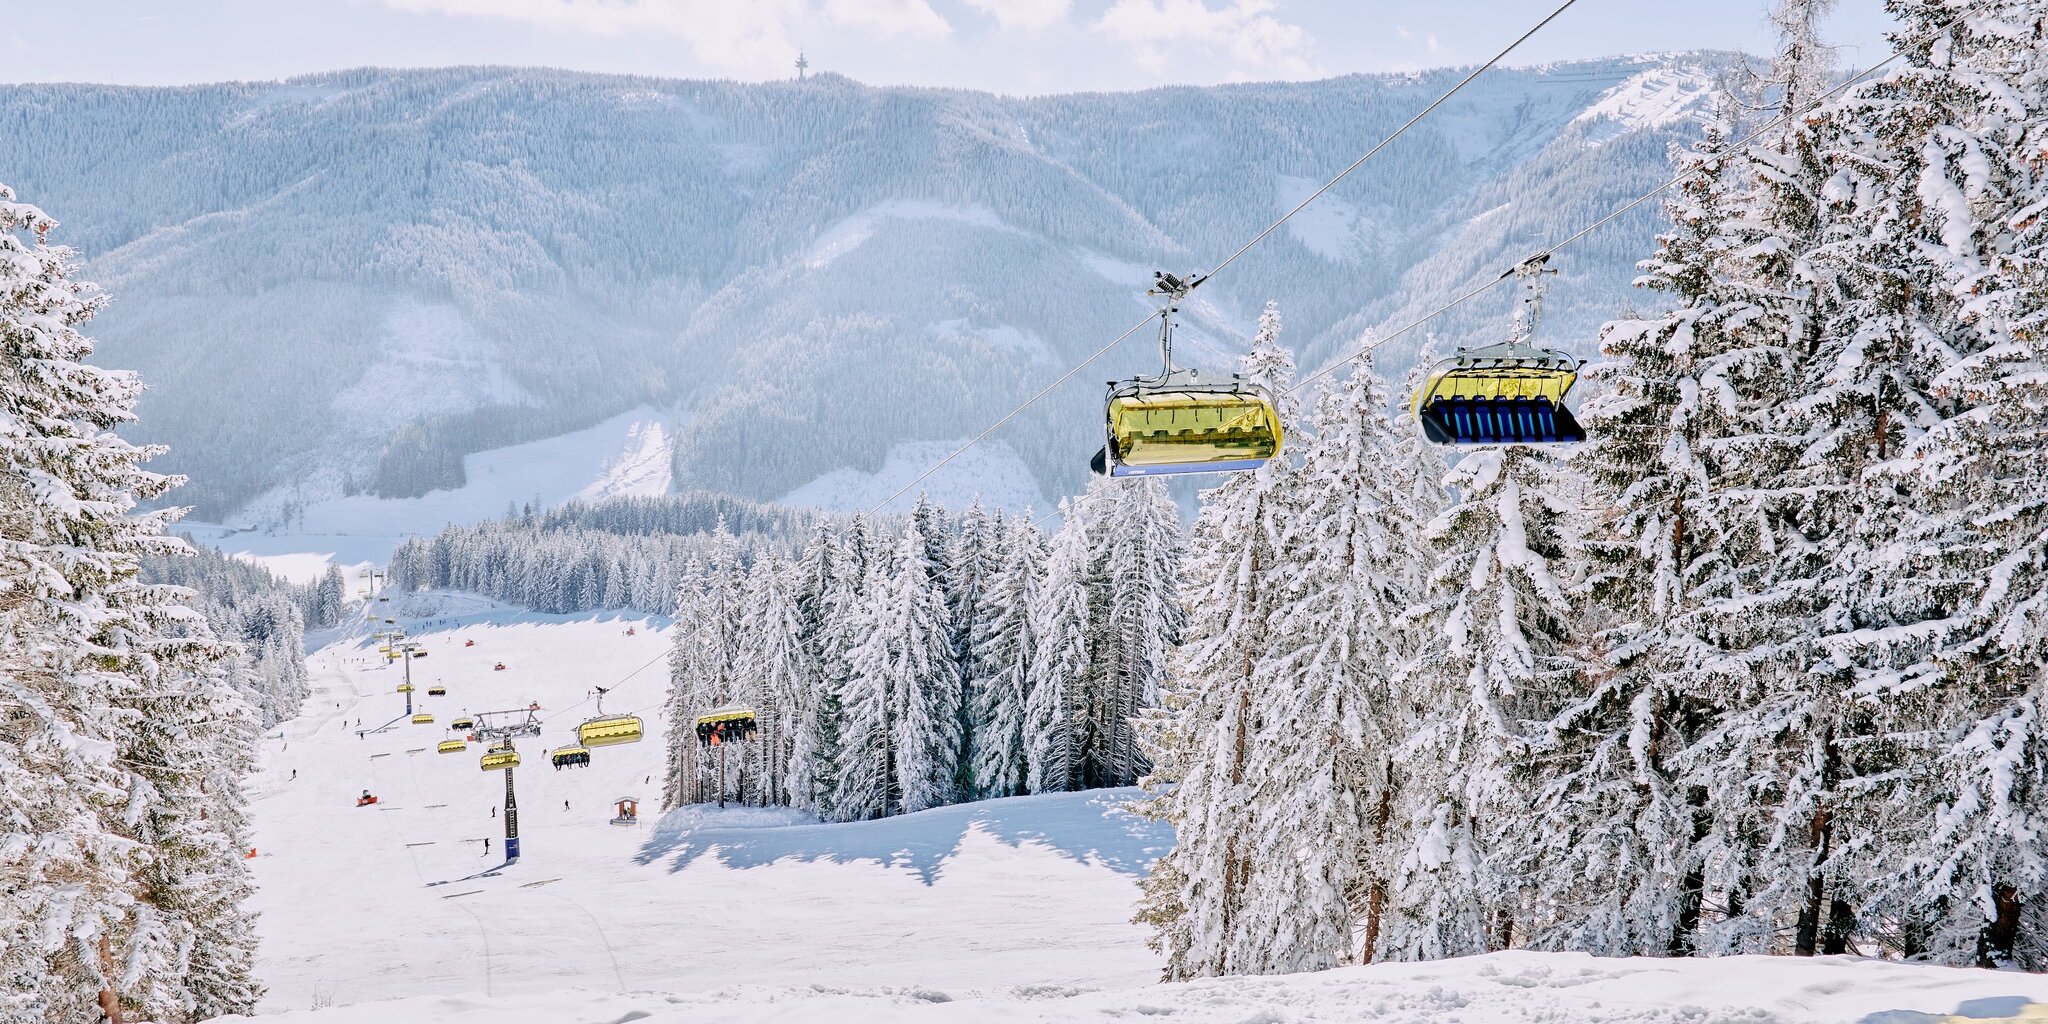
(384, 649)
(404, 688)
(451, 746)
(1510, 393)
(423, 718)
(464, 723)
(499, 757)
(1184, 421)
(570, 757)
(730, 724)
(437, 691)
(608, 730)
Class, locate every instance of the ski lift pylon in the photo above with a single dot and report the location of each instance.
(1183, 421)
(1510, 393)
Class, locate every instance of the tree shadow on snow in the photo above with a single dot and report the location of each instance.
(1990, 1008)
(1090, 828)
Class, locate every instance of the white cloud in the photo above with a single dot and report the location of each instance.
(1244, 31)
(890, 17)
(738, 36)
(1024, 14)
(1427, 39)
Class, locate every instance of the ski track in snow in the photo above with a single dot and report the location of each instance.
(1009, 910)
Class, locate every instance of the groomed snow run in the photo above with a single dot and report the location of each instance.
(1008, 910)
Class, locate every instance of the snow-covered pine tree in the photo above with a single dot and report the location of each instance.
(866, 784)
(814, 727)
(1003, 649)
(901, 714)
(1135, 569)
(974, 559)
(1232, 583)
(90, 656)
(1926, 468)
(1630, 829)
(914, 626)
(774, 660)
(1055, 710)
(1502, 662)
(193, 742)
(855, 742)
(701, 666)
(680, 779)
(1324, 728)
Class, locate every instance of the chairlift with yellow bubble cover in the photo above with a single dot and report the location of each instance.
(1185, 421)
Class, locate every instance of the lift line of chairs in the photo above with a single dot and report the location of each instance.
(1183, 421)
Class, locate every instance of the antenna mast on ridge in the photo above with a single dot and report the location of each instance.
(801, 65)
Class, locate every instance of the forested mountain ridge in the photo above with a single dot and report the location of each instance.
(346, 281)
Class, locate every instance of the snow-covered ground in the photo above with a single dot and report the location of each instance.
(1010, 910)
(983, 897)
(1501, 988)
(625, 455)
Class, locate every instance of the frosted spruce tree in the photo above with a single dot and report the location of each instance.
(1056, 709)
(114, 690)
(1325, 725)
(914, 624)
(974, 557)
(775, 661)
(1925, 469)
(814, 717)
(1635, 809)
(1200, 738)
(1135, 620)
(703, 670)
(1499, 663)
(1003, 650)
(901, 725)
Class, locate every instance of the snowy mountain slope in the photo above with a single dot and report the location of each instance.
(1499, 988)
(355, 279)
(625, 455)
(1033, 891)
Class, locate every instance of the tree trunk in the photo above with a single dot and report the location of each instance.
(1994, 945)
(1232, 863)
(110, 1002)
(1806, 940)
(1820, 835)
(1841, 926)
(1376, 890)
(1692, 889)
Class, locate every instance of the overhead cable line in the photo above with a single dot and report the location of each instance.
(1232, 258)
(1611, 216)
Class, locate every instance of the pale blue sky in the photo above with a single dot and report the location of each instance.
(1015, 46)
